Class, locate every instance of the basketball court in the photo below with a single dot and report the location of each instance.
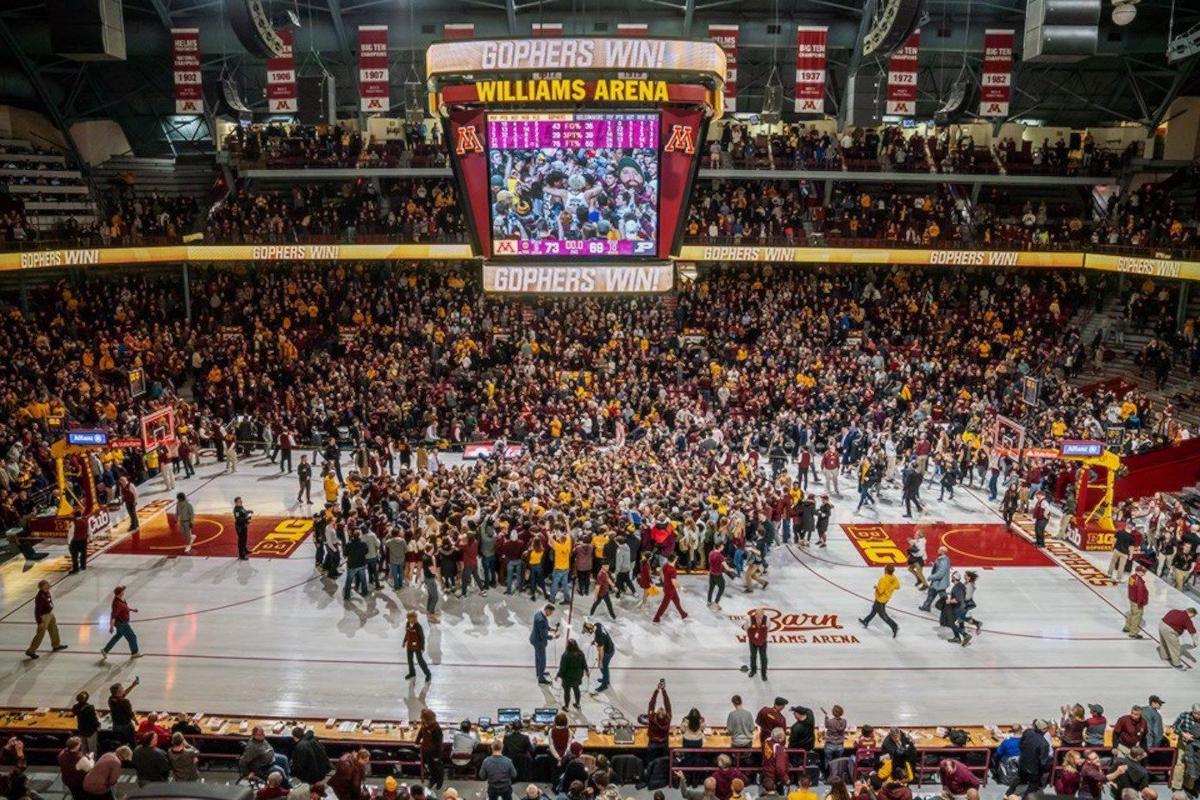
(271, 636)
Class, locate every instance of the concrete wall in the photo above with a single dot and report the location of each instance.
(20, 123)
(99, 140)
(1182, 136)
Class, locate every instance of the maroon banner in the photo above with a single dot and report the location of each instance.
(468, 151)
(995, 82)
(681, 136)
(811, 46)
(281, 78)
(374, 93)
(547, 29)
(902, 78)
(632, 28)
(458, 31)
(185, 60)
(727, 37)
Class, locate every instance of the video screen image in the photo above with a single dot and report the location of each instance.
(573, 184)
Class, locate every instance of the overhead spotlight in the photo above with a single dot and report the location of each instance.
(287, 19)
(1124, 11)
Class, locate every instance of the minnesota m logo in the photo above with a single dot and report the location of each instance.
(468, 141)
(682, 138)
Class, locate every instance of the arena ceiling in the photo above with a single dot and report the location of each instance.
(1128, 80)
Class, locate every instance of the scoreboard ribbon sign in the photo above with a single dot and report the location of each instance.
(281, 77)
(185, 59)
(587, 279)
(727, 37)
(373, 88)
(811, 45)
(902, 78)
(996, 78)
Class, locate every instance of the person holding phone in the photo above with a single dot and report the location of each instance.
(241, 525)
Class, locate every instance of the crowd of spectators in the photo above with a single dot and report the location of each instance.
(409, 210)
(934, 353)
(798, 146)
(295, 145)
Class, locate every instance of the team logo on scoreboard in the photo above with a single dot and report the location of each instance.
(506, 247)
(643, 247)
(683, 138)
(468, 141)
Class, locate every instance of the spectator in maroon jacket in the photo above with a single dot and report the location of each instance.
(1129, 732)
(725, 775)
(957, 780)
(69, 767)
(658, 722)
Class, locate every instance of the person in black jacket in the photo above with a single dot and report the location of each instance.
(910, 483)
(310, 764)
(241, 525)
(355, 552)
(87, 722)
(902, 751)
(802, 735)
(150, 761)
(1033, 761)
(516, 743)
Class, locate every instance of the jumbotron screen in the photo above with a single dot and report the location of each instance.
(573, 184)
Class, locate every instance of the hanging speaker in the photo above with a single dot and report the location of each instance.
(253, 27)
(229, 103)
(772, 107)
(892, 22)
(956, 103)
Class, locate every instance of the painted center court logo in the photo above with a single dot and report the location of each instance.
(215, 536)
(787, 627)
(969, 544)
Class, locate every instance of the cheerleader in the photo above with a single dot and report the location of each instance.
(645, 577)
(916, 560)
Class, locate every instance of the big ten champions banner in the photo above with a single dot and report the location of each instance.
(902, 78)
(996, 79)
(811, 42)
(373, 94)
(281, 77)
(185, 58)
(727, 37)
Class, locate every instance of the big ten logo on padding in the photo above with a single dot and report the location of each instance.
(283, 540)
(875, 544)
(789, 627)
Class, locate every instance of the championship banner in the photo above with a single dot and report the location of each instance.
(902, 78)
(995, 81)
(458, 31)
(185, 58)
(727, 37)
(597, 279)
(281, 78)
(633, 28)
(373, 89)
(547, 29)
(811, 45)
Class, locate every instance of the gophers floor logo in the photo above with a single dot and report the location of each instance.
(785, 627)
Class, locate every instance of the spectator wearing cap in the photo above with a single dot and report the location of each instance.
(1151, 712)
(1139, 598)
(770, 717)
(1174, 624)
(1095, 726)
